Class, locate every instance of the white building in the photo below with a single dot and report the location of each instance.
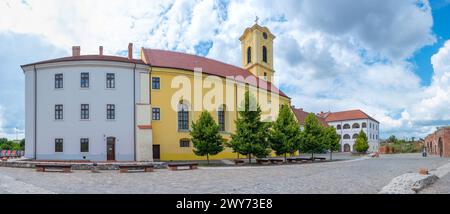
(91, 107)
(348, 124)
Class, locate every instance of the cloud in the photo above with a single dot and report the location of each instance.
(329, 55)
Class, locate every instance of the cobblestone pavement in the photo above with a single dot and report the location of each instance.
(348, 176)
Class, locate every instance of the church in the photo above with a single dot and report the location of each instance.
(111, 108)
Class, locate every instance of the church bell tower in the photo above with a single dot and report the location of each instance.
(257, 51)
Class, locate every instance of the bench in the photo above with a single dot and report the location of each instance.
(291, 160)
(238, 162)
(319, 158)
(303, 159)
(174, 166)
(58, 167)
(262, 161)
(276, 161)
(124, 168)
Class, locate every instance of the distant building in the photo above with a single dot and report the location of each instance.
(348, 124)
(301, 115)
(438, 143)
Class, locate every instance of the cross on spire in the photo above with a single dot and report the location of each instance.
(256, 19)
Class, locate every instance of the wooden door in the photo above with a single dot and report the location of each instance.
(156, 152)
(111, 148)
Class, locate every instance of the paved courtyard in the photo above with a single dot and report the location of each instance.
(351, 175)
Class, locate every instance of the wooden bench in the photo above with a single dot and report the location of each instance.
(124, 168)
(262, 161)
(303, 159)
(276, 161)
(58, 167)
(238, 162)
(319, 158)
(174, 166)
(291, 160)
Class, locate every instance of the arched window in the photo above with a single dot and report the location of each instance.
(264, 49)
(249, 54)
(355, 136)
(355, 125)
(346, 136)
(364, 125)
(338, 126)
(183, 116)
(346, 126)
(221, 118)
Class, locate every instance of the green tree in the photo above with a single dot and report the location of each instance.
(330, 139)
(284, 136)
(311, 137)
(361, 143)
(206, 137)
(251, 136)
(22, 144)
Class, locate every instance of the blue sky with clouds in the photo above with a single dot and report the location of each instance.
(389, 58)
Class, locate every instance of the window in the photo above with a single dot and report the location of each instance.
(59, 81)
(364, 125)
(84, 80)
(221, 118)
(156, 83)
(346, 136)
(58, 145)
(264, 50)
(346, 126)
(110, 80)
(84, 144)
(111, 112)
(355, 126)
(249, 55)
(338, 127)
(355, 136)
(184, 143)
(265, 76)
(183, 117)
(58, 112)
(264, 35)
(156, 114)
(84, 111)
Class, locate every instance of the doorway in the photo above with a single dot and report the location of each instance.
(440, 147)
(111, 148)
(346, 147)
(156, 152)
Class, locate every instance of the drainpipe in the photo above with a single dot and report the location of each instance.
(35, 112)
(134, 112)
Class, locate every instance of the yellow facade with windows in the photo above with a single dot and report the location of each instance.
(165, 133)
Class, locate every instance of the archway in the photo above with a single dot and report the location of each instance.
(346, 147)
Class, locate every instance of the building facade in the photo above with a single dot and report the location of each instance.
(98, 107)
(348, 124)
(438, 143)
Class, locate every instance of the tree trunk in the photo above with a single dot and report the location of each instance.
(249, 158)
(207, 158)
(331, 154)
(312, 156)
(285, 157)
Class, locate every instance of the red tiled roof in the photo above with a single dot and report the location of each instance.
(301, 116)
(89, 58)
(171, 59)
(345, 115)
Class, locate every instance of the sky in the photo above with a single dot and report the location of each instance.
(390, 59)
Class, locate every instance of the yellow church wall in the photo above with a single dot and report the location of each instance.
(165, 131)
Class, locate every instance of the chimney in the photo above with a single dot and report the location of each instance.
(100, 50)
(76, 50)
(130, 51)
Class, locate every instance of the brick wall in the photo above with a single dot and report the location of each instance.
(432, 142)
